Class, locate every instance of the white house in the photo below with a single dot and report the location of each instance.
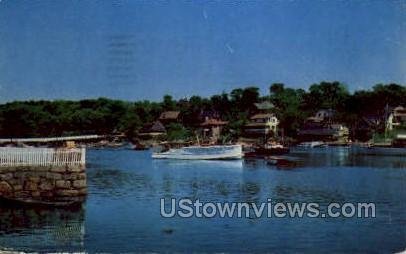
(396, 118)
(262, 124)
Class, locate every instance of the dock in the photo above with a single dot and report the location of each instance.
(52, 176)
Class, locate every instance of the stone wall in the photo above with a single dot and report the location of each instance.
(57, 185)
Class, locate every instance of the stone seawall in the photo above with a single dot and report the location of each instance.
(55, 185)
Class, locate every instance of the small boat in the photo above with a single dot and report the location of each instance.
(139, 147)
(267, 150)
(312, 144)
(219, 152)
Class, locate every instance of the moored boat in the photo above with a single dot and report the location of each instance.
(312, 144)
(218, 152)
(380, 150)
(267, 150)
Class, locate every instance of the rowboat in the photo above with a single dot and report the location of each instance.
(223, 152)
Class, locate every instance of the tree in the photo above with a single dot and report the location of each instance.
(168, 103)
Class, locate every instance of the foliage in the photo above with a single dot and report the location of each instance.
(106, 116)
(176, 132)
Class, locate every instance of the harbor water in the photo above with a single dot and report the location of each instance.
(122, 210)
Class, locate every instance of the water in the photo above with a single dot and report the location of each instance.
(122, 212)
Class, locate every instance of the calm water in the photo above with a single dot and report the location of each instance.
(122, 212)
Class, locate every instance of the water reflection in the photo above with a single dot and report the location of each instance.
(344, 156)
(211, 164)
(36, 228)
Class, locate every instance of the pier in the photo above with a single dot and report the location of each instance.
(53, 176)
(52, 139)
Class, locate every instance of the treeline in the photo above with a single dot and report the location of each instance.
(105, 116)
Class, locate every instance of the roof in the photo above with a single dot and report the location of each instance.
(213, 122)
(371, 120)
(264, 105)
(313, 118)
(209, 113)
(263, 125)
(171, 115)
(401, 136)
(399, 111)
(260, 116)
(156, 126)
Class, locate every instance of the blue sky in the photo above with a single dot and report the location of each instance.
(143, 49)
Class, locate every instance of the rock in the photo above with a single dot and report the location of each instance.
(81, 176)
(35, 194)
(82, 191)
(54, 176)
(79, 183)
(5, 187)
(46, 186)
(34, 179)
(43, 183)
(21, 174)
(6, 176)
(47, 194)
(31, 186)
(76, 169)
(58, 170)
(68, 193)
(62, 184)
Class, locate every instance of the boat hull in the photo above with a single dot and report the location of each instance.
(202, 153)
(263, 152)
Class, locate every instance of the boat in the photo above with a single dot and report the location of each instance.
(267, 150)
(216, 152)
(379, 150)
(312, 144)
(137, 146)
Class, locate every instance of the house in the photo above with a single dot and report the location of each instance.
(261, 125)
(323, 132)
(168, 117)
(399, 141)
(321, 127)
(152, 130)
(396, 119)
(212, 128)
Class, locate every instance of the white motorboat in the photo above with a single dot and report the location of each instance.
(223, 152)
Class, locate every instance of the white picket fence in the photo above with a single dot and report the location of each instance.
(15, 156)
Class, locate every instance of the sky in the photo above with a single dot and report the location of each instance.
(136, 50)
